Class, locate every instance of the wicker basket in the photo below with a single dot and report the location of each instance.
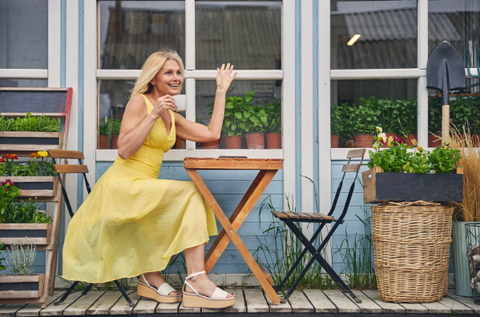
(411, 244)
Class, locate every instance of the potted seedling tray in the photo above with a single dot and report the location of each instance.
(21, 286)
(25, 233)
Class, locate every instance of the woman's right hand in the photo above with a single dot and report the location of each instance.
(163, 104)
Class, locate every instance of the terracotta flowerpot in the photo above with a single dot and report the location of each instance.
(363, 140)
(180, 144)
(334, 139)
(274, 140)
(409, 139)
(115, 142)
(434, 140)
(255, 140)
(385, 144)
(103, 141)
(210, 145)
(233, 142)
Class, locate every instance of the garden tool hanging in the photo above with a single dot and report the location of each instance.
(445, 71)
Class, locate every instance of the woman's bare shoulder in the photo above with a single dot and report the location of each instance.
(136, 104)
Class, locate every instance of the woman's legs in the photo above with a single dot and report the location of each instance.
(195, 258)
(155, 279)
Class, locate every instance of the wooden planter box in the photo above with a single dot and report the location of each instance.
(34, 186)
(381, 187)
(21, 286)
(25, 233)
(13, 141)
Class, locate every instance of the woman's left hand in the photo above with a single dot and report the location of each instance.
(225, 77)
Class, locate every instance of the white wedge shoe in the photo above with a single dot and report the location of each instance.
(217, 300)
(161, 294)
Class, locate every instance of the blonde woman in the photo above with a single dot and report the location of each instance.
(132, 223)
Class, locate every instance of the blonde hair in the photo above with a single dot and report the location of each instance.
(151, 67)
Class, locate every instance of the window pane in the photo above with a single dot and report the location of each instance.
(132, 30)
(24, 34)
(387, 29)
(23, 83)
(267, 95)
(246, 34)
(459, 23)
(390, 104)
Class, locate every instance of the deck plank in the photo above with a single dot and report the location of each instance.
(343, 303)
(163, 308)
(34, 309)
(103, 305)
(367, 305)
(9, 310)
(387, 307)
(320, 302)
(122, 307)
(145, 306)
(300, 303)
(280, 307)
(53, 310)
(80, 306)
(436, 308)
(455, 307)
(415, 308)
(467, 301)
(256, 302)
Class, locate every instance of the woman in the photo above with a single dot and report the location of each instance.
(132, 223)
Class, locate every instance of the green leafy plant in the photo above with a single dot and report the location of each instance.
(367, 116)
(21, 258)
(113, 126)
(337, 120)
(30, 123)
(397, 158)
(103, 127)
(235, 114)
(2, 266)
(34, 167)
(407, 117)
(274, 116)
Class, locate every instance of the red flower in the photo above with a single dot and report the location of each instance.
(2, 160)
(399, 140)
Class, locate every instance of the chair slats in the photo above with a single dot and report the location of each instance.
(351, 168)
(291, 214)
(326, 217)
(66, 154)
(65, 168)
(279, 214)
(358, 153)
(314, 215)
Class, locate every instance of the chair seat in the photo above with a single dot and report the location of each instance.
(303, 216)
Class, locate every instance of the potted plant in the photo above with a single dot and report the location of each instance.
(337, 124)
(407, 120)
(113, 130)
(388, 118)
(103, 134)
(21, 284)
(21, 221)
(253, 123)
(274, 124)
(234, 116)
(367, 118)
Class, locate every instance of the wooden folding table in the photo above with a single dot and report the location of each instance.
(267, 170)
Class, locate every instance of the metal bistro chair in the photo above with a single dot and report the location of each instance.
(290, 218)
(79, 168)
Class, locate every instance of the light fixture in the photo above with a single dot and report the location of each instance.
(353, 39)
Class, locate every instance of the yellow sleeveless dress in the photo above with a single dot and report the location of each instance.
(132, 222)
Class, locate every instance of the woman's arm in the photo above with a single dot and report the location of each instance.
(199, 133)
(136, 124)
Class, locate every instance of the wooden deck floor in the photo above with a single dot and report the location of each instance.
(250, 302)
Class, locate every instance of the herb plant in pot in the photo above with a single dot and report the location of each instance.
(274, 125)
(234, 116)
(113, 128)
(407, 120)
(254, 120)
(389, 111)
(366, 116)
(103, 134)
(337, 123)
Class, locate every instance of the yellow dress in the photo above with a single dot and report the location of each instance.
(132, 222)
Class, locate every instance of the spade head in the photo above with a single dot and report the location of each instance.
(445, 70)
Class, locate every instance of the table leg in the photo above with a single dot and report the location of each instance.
(232, 234)
(239, 215)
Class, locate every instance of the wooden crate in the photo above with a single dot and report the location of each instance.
(27, 142)
(381, 187)
(21, 286)
(34, 186)
(25, 233)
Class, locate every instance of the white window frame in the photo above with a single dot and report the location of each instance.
(287, 75)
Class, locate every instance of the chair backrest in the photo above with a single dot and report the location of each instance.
(69, 169)
(348, 168)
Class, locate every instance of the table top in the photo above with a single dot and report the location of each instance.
(232, 163)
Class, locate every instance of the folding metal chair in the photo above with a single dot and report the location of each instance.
(79, 168)
(290, 218)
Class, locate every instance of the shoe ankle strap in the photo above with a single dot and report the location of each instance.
(195, 274)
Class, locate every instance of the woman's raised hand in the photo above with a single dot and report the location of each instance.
(225, 77)
(163, 104)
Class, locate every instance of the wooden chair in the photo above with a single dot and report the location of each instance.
(290, 218)
(62, 169)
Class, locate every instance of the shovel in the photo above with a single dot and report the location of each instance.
(445, 71)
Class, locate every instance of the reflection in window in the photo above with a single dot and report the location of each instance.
(358, 106)
(261, 98)
(23, 83)
(387, 29)
(246, 34)
(132, 30)
(24, 34)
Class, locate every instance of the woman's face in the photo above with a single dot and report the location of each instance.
(168, 79)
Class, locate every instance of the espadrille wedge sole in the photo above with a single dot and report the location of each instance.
(195, 300)
(161, 294)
